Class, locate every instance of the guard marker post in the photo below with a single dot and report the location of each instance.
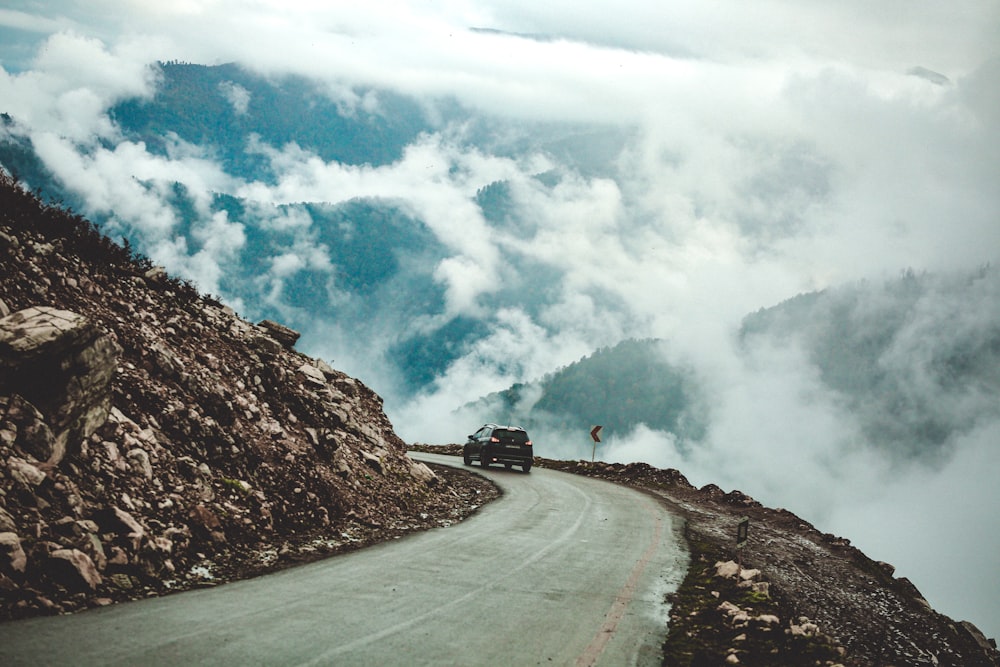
(595, 433)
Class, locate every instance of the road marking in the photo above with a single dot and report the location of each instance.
(326, 656)
(596, 647)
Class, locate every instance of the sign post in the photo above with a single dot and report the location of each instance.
(595, 433)
(742, 534)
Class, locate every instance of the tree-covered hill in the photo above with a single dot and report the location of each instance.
(913, 361)
(916, 358)
(221, 106)
(618, 387)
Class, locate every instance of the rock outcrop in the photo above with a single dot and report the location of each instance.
(152, 440)
(61, 366)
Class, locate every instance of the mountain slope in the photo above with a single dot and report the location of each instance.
(619, 387)
(220, 106)
(916, 359)
(219, 451)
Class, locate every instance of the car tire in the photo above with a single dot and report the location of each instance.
(526, 467)
(508, 466)
(484, 460)
(466, 459)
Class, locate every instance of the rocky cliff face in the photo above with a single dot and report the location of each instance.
(152, 440)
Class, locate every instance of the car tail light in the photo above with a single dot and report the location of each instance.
(494, 439)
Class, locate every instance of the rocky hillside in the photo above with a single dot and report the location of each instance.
(791, 596)
(151, 440)
(801, 597)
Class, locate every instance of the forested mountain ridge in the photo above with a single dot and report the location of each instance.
(619, 387)
(917, 358)
(222, 105)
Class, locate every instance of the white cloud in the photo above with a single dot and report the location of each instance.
(237, 96)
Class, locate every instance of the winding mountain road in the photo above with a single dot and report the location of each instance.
(561, 570)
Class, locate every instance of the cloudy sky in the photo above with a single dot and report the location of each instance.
(772, 148)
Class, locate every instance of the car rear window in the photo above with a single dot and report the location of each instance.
(516, 436)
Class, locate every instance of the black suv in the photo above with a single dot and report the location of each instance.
(508, 445)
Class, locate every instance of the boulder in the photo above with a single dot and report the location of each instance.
(139, 460)
(24, 426)
(313, 375)
(205, 522)
(62, 364)
(7, 523)
(372, 460)
(24, 472)
(12, 557)
(279, 332)
(74, 569)
(117, 521)
(727, 570)
(420, 472)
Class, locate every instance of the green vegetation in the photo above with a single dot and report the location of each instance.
(623, 386)
(195, 102)
(917, 358)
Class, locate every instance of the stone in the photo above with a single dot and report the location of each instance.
(74, 569)
(805, 629)
(94, 548)
(156, 275)
(117, 521)
(165, 360)
(727, 570)
(327, 370)
(139, 460)
(205, 521)
(287, 337)
(420, 472)
(24, 472)
(372, 460)
(7, 523)
(30, 432)
(63, 365)
(729, 608)
(12, 557)
(313, 375)
(266, 344)
(118, 557)
(987, 645)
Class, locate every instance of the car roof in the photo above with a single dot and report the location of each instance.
(508, 427)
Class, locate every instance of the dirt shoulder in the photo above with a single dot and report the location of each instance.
(801, 597)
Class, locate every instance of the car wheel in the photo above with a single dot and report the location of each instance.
(508, 465)
(466, 458)
(526, 467)
(484, 460)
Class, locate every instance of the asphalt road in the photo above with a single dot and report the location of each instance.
(562, 570)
